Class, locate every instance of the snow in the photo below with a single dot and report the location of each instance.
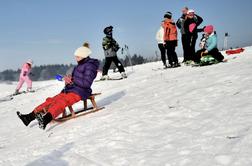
(176, 117)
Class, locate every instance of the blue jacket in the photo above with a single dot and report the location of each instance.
(83, 76)
(211, 42)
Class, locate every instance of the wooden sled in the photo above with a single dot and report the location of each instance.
(82, 112)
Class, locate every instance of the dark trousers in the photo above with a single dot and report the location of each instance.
(163, 52)
(190, 42)
(183, 39)
(108, 61)
(215, 53)
(172, 55)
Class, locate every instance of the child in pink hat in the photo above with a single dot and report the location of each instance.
(24, 77)
(209, 45)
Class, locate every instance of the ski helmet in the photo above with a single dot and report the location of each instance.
(108, 30)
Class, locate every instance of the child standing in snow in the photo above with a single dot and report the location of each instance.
(110, 47)
(209, 45)
(161, 43)
(78, 87)
(171, 40)
(24, 77)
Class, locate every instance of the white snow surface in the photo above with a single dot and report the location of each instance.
(187, 116)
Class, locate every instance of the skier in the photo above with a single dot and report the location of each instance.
(24, 77)
(191, 34)
(161, 43)
(209, 45)
(180, 24)
(78, 87)
(110, 47)
(170, 38)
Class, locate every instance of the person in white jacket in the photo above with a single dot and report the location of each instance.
(161, 44)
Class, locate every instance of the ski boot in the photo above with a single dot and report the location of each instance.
(43, 119)
(29, 90)
(123, 74)
(26, 118)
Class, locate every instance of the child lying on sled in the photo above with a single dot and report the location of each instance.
(209, 46)
(78, 87)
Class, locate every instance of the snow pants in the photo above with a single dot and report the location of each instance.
(215, 53)
(189, 46)
(57, 104)
(172, 55)
(108, 61)
(163, 52)
(25, 79)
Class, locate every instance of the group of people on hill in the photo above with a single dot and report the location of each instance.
(78, 84)
(188, 23)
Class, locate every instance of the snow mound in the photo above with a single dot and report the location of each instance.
(183, 116)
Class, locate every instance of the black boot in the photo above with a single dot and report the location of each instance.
(43, 119)
(26, 118)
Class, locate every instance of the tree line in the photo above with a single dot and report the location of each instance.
(48, 72)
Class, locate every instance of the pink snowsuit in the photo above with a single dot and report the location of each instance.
(24, 77)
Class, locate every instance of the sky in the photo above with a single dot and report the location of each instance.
(49, 31)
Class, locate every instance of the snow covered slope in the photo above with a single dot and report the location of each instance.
(186, 116)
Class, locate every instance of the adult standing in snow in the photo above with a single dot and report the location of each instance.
(180, 24)
(78, 87)
(209, 45)
(24, 77)
(161, 43)
(110, 47)
(170, 38)
(191, 31)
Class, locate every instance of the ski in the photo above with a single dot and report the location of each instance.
(110, 79)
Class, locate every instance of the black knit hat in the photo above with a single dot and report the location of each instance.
(108, 29)
(168, 15)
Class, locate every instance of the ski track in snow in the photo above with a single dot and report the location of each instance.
(187, 116)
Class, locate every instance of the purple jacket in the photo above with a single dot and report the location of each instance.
(83, 76)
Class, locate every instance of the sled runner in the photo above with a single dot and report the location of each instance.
(82, 112)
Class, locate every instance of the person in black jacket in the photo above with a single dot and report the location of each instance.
(180, 24)
(191, 34)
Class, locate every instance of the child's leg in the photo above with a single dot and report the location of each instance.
(168, 46)
(118, 64)
(20, 83)
(106, 66)
(174, 54)
(61, 102)
(216, 54)
(45, 106)
(28, 82)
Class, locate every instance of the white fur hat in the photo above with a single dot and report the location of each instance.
(82, 52)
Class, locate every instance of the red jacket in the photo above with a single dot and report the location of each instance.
(170, 31)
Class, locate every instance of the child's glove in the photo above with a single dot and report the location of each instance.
(25, 73)
(68, 80)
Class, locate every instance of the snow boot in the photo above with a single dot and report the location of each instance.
(123, 74)
(105, 77)
(43, 119)
(26, 118)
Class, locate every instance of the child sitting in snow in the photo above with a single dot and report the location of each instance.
(209, 45)
(24, 77)
(78, 87)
